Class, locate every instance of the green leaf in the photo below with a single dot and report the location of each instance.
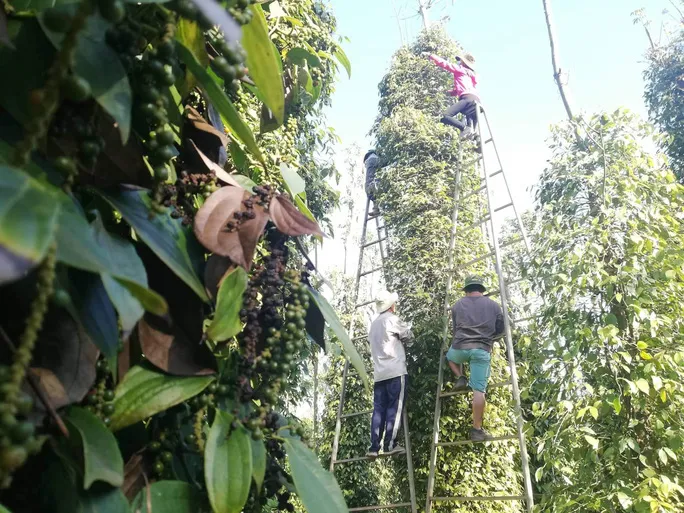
(100, 65)
(170, 241)
(263, 62)
(593, 412)
(617, 406)
(592, 441)
(611, 319)
(226, 323)
(3, 509)
(245, 182)
(657, 382)
(343, 59)
(102, 459)
(95, 311)
(29, 211)
(171, 497)
(335, 324)
(61, 489)
(662, 455)
(316, 487)
(145, 391)
(624, 499)
(231, 117)
(294, 182)
(258, 463)
(227, 465)
(642, 385)
(299, 56)
(190, 35)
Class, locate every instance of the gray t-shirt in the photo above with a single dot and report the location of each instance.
(478, 320)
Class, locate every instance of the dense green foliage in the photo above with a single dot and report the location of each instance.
(665, 95)
(416, 199)
(604, 363)
(157, 163)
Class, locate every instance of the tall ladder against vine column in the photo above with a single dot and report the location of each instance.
(341, 416)
(487, 225)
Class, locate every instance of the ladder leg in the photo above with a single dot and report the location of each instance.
(445, 333)
(509, 341)
(409, 461)
(340, 408)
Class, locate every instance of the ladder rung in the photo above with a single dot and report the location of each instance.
(477, 223)
(388, 506)
(508, 284)
(470, 194)
(525, 319)
(475, 260)
(366, 458)
(503, 207)
(381, 227)
(482, 498)
(493, 174)
(356, 414)
(489, 140)
(468, 442)
(360, 337)
(459, 392)
(374, 242)
(365, 273)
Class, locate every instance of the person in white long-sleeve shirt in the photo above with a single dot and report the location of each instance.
(387, 336)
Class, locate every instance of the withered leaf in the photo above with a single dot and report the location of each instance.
(206, 137)
(238, 243)
(136, 472)
(174, 343)
(216, 269)
(208, 165)
(64, 360)
(212, 219)
(289, 220)
(169, 348)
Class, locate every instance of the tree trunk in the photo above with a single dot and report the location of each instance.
(423, 8)
(554, 59)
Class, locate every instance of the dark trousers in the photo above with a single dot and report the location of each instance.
(467, 104)
(389, 401)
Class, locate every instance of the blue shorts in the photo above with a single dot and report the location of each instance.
(480, 365)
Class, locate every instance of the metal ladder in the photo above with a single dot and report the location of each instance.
(360, 273)
(486, 220)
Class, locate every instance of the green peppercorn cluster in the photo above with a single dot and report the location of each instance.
(228, 63)
(99, 399)
(17, 440)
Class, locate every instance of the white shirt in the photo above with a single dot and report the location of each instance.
(387, 332)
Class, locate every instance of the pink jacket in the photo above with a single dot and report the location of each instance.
(465, 80)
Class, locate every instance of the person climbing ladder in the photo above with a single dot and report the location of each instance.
(465, 90)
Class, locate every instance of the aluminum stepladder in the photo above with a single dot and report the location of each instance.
(487, 219)
(360, 273)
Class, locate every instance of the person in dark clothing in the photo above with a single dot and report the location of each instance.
(465, 89)
(372, 162)
(478, 321)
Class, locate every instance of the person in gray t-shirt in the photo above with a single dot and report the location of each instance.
(372, 162)
(478, 321)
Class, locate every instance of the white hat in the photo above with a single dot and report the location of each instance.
(385, 300)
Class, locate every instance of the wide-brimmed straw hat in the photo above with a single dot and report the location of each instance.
(385, 300)
(468, 60)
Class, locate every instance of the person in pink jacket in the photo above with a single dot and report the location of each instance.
(465, 89)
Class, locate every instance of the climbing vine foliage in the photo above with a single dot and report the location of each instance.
(162, 170)
(604, 362)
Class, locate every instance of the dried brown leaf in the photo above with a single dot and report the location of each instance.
(168, 347)
(207, 138)
(289, 220)
(208, 165)
(250, 232)
(136, 471)
(64, 360)
(211, 221)
(216, 269)
(174, 343)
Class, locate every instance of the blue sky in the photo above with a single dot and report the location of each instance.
(598, 45)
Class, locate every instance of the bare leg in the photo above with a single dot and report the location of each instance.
(478, 409)
(456, 368)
